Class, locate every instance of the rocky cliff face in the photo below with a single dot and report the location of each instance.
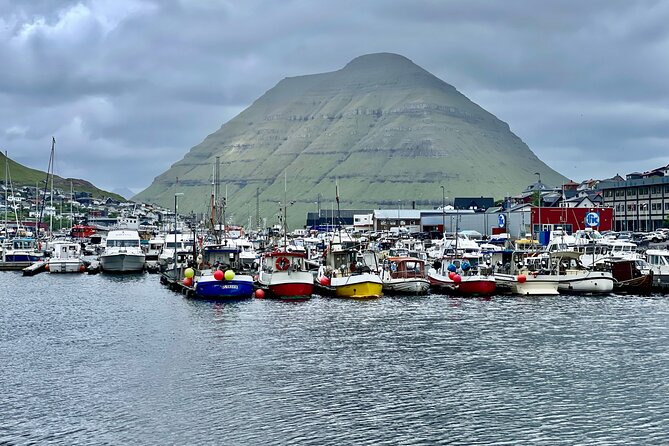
(388, 130)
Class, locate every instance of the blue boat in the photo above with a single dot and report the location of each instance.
(210, 282)
(22, 250)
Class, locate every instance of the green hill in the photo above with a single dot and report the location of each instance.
(21, 175)
(388, 130)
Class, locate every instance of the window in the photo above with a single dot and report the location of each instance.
(631, 192)
(643, 191)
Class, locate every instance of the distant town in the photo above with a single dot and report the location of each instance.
(636, 202)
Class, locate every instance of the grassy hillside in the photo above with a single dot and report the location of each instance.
(389, 131)
(21, 175)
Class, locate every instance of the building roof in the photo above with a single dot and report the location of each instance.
(476, 203)
(403, 214)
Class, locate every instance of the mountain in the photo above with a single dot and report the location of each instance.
(388, 130)
(21, 175)
(124, 192)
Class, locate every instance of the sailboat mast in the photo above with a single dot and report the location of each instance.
(6, 190)
(51, 163)
(71, 206)
(285, 211)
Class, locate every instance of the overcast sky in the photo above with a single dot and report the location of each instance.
(127, 87)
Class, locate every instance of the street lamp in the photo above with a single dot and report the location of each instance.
(539, 217)
(176, 208)
(443, 211)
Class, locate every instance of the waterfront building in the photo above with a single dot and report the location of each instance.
(640, 202)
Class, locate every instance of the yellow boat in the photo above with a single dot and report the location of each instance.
(347, 275)
(362, 286)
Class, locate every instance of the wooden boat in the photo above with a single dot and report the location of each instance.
(631, 277)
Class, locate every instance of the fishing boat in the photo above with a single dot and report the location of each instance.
(404, 275)
(122, 252)
(65, 257)
(462, 277)
(216, 277)
(345, 274)
(283, 275)
(524, 273)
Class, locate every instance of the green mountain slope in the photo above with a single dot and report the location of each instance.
(21, 175)
(388, 130)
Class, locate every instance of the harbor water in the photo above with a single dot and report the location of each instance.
(123, 360)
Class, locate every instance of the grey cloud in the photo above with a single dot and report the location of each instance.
(128, 86)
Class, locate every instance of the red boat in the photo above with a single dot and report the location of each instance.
(283, 275)
(82, 231)
(461, 278)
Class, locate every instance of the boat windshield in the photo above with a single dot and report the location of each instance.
(122, 243)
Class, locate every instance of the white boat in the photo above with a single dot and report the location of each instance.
(184, 250)
(574, 278)
(525, 274)
(404, 275)
(65, 257)
(122, 252)
(658, 259)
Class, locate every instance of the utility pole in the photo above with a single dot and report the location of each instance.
(257, 208)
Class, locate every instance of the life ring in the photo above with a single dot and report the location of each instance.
(282, 263)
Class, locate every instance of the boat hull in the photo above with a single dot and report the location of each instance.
(66, 266)
(540, 285)
(406, 286)
(284, 285)
(21, 257)
(363, 286)
(208, 288)
(591, 282)
(122, 262)
(468, 286)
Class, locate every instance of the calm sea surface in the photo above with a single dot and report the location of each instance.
(123, 360)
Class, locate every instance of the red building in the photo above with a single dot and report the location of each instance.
(571, 219)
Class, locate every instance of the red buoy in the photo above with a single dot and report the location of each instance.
(260, 294)
(218, 274)
(521, 278)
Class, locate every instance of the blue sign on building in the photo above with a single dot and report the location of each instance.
(501, 220)
(592, 219)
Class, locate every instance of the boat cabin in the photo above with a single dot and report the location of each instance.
(283, 261)
(405, 267)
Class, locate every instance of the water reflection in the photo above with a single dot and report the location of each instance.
(122, 359)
